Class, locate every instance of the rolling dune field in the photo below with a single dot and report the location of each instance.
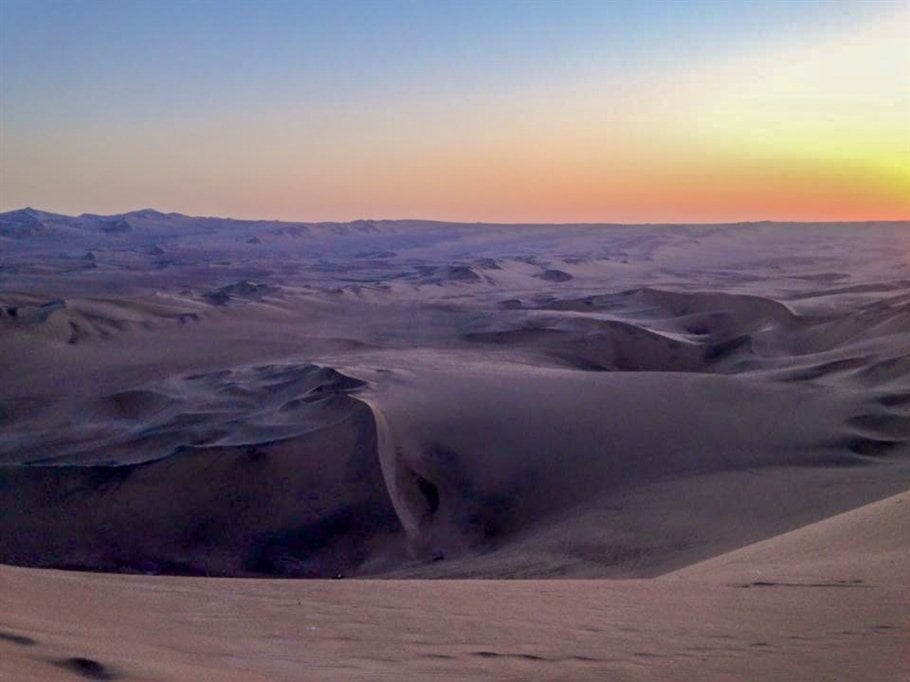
(703, 431)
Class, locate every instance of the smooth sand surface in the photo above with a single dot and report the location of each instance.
(801, 606)
(711, 417)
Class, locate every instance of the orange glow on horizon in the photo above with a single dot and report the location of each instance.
(818, 131)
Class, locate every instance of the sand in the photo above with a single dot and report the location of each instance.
(835, 609)
(712, 421)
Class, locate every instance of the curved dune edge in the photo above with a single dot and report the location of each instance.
(805, 620)
(392, 473)
(413, 497)
(862, 547)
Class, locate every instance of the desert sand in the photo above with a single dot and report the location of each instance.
(701, 430)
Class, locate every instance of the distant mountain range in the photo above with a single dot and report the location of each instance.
(151, 232)
(33, 223)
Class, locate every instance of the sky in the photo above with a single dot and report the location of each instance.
(533, 111)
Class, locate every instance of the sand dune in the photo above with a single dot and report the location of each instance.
(76, 320)
(805, 605)
(865, 547)
(572, 446)
(289, 467)
(405, 399)
(477, 464)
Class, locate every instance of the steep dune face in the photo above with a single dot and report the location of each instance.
(606, 345)
(241, 497)
(484, 456)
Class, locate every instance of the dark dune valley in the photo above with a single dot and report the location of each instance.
(700, 414)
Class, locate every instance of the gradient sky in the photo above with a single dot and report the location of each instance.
(563, 111)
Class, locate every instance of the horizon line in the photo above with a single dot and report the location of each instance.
(469, 222)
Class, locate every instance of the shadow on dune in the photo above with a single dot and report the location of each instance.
(307, 505)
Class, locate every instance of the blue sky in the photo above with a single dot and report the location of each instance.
(129, 76)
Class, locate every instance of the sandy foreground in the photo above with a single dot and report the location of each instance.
(826, 602)
(532, 452)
